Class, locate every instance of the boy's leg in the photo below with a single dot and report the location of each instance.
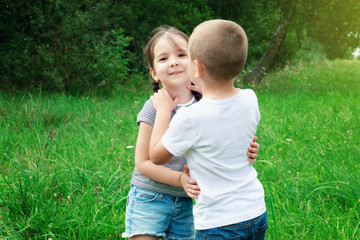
(253, 229)
(259, 227)
(230, 232)
(182, 222)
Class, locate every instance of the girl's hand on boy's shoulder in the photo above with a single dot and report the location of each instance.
(163, 101)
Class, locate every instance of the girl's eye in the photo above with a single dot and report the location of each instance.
(162, 59)
(182, 55)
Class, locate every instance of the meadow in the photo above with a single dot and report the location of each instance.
(66, 162)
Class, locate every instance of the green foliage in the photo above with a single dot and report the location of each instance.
(70, 46)
(87, 46)
(113, 62)
(335, 24)
(139, 19)
(297, 51)
(258, 18)
(61, 46)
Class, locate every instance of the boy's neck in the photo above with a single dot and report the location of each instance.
(218, 90)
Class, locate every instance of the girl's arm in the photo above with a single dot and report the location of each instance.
(146, 167)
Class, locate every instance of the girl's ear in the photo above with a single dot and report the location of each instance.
(199, 69)
(153, 74)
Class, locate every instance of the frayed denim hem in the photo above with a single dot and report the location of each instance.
(172, 237)
(128, 235)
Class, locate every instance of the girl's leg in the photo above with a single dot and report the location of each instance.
(143, 237)
(147, 215)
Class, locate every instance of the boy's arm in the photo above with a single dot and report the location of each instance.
(148, 168)
(164, 105)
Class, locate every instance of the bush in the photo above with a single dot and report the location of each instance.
(61, 46)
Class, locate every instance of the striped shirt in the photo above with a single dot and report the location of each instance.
(147, 115)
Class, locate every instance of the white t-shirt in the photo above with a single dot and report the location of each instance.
(214, 135)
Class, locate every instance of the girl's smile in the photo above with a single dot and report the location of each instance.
(176, 72)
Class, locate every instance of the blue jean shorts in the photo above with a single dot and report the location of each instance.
(157, 214)
(253, 229)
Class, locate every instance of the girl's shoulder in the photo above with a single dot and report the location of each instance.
(148, 103)
(147, 113)
(148, 106)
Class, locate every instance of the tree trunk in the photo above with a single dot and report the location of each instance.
(268, 58)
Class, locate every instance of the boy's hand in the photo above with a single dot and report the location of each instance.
(189, 184)
(252, 151)
(163, 101)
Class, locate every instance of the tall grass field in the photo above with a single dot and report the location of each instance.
(66, 162)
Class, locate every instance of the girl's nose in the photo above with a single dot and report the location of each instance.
(174, 62)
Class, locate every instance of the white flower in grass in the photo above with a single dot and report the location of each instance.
(129, 146)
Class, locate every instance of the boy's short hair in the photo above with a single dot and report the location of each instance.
(222, 46)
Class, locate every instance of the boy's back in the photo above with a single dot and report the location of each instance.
(214, 135)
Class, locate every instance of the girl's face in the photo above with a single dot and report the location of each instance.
(171, 62)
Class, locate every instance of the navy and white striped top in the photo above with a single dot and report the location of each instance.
(148, 114)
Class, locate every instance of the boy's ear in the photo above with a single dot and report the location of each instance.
(200, 69)
(153, 74)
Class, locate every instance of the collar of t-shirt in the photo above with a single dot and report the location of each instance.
(186, 104)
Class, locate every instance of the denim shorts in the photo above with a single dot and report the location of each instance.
(157, 214)
(253, 229)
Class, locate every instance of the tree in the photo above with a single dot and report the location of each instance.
(334, 24)
(268, 58)
(258, 18)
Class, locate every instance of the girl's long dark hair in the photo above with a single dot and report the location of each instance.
(197, 95)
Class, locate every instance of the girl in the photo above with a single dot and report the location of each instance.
(157, 204)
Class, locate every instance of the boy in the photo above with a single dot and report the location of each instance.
(214, 134)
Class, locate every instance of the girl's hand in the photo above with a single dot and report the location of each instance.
(189, 184)
(252, 151)
(163, 101)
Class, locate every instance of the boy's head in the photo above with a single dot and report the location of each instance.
(221, 46)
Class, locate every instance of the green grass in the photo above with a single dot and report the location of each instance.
(310, 151)
(66, 162)
(66, 165)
